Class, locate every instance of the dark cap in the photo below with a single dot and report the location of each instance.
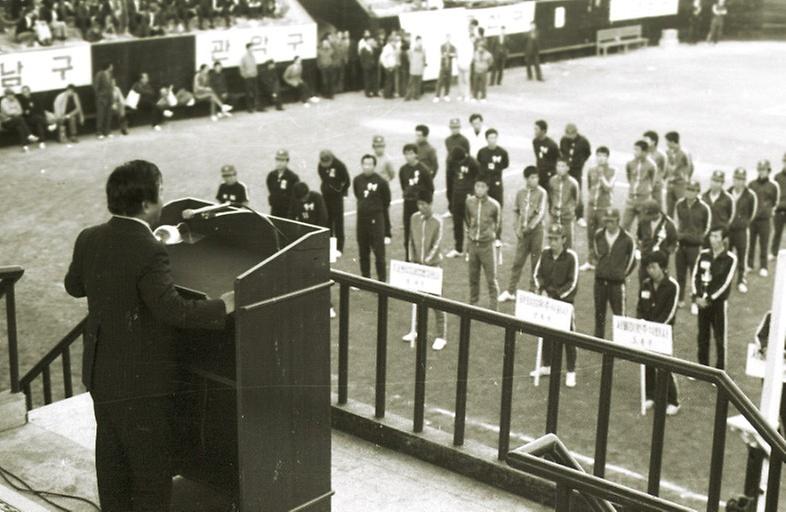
(611, 214)
(740, 173)
(718, 176)
(378, 140)
(282, 154)
(300, 190)
(425, 195)
(325, 156)
(455, 123)
(228, 169)
(556, 230)
(656, 257)
(650, 207)
(693, 185)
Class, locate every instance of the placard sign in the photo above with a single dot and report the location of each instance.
(652, 336)
(282, 43)
(756, 363)
(47, 69)
(544, 311)
(620, 10)
(416, 278)
(516, 18)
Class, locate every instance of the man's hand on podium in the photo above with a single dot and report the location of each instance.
(229, 302)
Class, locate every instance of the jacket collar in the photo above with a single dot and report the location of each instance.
(129, 220)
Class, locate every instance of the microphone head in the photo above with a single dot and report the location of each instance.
(168, 235)
(188, 214)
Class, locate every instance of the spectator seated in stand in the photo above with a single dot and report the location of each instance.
(68, 113)
(12, 119)
(218, 82)
(34, 116)
(293, 77)
(204, 92)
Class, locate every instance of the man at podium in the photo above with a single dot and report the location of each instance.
(129, 362)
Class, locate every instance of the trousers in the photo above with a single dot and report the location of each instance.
(410, 207)
(371, 238)
(570, 352)
(335, 215)
(607, 292)
(672, 398)
(738, 242)
(759, 231)
(529, 245)
(103, 115)
(778, 221)
(483, 255)
(457, 211)
(684, 260)
(713, 317)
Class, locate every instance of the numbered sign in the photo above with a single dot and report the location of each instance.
(652, 336)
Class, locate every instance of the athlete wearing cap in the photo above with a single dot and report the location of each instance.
(745, 207)
(601, 179)
(334, 185)
(557, 276)
(779, 217)
(576, 149)
(694, 219)
(768, 195)
(384, 165)
(232, 191)
(641, 173)
(482, 222)
(720, 202)
(279, 185)
(614, 251)
(655, 233)
(455, 139)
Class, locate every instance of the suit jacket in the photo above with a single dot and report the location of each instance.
(133, 311)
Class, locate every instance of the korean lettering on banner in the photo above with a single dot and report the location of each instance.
(416, 278)
(652, 336)
(280, 43)
(46, 69)
(516, 18)
(620, 10)
(542, 310)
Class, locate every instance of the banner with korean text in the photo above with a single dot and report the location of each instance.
(516, 18)
(47, 69)
(620, 10)
(281, 43)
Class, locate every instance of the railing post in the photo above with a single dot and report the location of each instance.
(420, 366)
(47, 386)
(662, 378)
(718, 450)
(13, 354)
(461, 382)
(343, 343)
(563, 498)
(507, 393)
(382, 355)
(552, 413)
(773, 481)
(67, 386)
(604, 411)
(28, 397)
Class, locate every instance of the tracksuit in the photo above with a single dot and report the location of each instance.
(660, 174)
(659, 304)
(373, 196)
(558, 276)
(312, 210)
(492, 163)
(334, 187)
(412, 178)
(577, 150)
(451, 142)
(693, 225)
(482, 220)
(530, 208)
(679, 170)
(546, 155)
(779, 217)
(712, 277)
(721, 208)
(563, 198)
(279, 186)
(598, 200)
(425, 250)
(767, 198)
(641, 174)
(462, 174)
(615, 257)
(745, 207)
(660, 235)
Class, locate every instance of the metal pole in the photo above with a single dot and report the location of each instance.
(343, 343)
(382, 355)
(507, 393)
(604, 411)
(13, 353)
(461, 382)
(420, 367)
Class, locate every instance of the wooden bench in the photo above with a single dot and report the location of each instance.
(623, 37)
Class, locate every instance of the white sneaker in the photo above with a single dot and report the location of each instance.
(332, 313)
(157, 128)
(446, 99)
(582, 223)
(338, 254)
(100, 137)
(410, 337)
(742, 288)
(545, 371)
(435, 100)
(694, 309)
(649, 404)
(226, 108)
(214, 118)
(672, 410)
(506, 297)
(307, 105)
(439, 343)
(570, 379)
(763, 272)
(447, 215)
(52, 127)
(168, 113)
(25, 149)
(314, 99)
(453, 253)
(32, 138)
(770, 257)
(42, 145)
(191, 102)
(587, 266)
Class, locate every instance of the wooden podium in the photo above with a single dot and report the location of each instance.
(254, 409)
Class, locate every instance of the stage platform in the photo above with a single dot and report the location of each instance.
(54, 452)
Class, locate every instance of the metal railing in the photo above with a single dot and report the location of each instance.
(726, 390)
(8, 278)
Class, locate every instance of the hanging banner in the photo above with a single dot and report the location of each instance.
(516, 18)
(47, 69)
(620, 10)
(282, 43)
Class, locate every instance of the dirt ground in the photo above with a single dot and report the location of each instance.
(724, 100)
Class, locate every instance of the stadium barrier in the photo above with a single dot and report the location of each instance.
(8, 278)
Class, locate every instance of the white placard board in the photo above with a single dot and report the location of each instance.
(47, 69)
(333, 249)
(544, 311)
(282, 43)
(432, 26)
(620, 10)
(652, 336)
(516, 18)
(756, 363)
(416, 278)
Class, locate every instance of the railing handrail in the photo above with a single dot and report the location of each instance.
(694, 370)
(12, 272)
(53, 354)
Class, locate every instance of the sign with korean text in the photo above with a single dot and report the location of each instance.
(47, 69)
(543, 310)
(416, 278)
(652, 336)
(282, 43)
(516, 18)
(620, 10)
(756, 363)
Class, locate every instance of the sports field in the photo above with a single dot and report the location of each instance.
(724, 100)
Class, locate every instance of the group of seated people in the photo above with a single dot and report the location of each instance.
(43, 21)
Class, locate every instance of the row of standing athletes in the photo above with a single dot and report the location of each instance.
(672, 218)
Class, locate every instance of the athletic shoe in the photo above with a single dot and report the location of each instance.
(332, 313)
(446, 99)
(42, 145)
(506, 297)
(742, 288)
(168, 113)
(25, 149)
(191, 102)
(672, 410)
(435, 100)
(770, 257)
(214, 118)
(447, 215)
(157, 128)
(582, 223)
(439, 343)
(453, 253)
(314, 99)
(32, 138)
(570, 379)
(226, 108)
(52, 127)
(763, 272)
(694, 309)
(587, 266)
(100, 137)
(649, 404)
(410, 337)
(338, 254)
(545, 371)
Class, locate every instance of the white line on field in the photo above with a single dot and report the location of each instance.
(682, 491)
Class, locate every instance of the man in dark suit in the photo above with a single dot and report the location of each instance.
(533, 52)
(129, 364)
(498, 46)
